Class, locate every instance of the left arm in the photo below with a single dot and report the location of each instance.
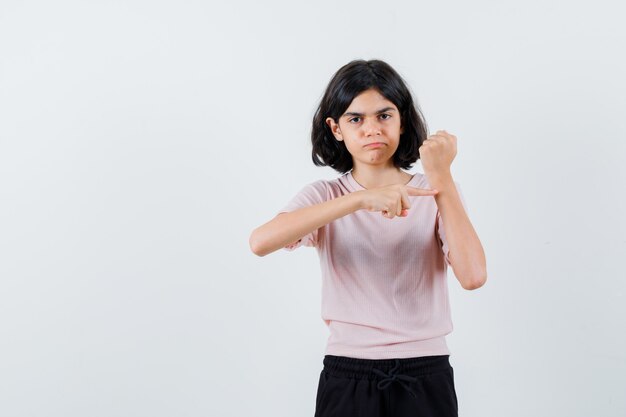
(466, 253)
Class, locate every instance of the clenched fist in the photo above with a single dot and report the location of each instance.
(437, 153)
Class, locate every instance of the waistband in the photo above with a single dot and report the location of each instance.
(403, 370)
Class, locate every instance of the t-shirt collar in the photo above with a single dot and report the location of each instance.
(358, 187)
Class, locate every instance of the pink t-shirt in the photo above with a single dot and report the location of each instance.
(384, 281)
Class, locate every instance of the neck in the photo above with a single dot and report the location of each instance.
(373, 177)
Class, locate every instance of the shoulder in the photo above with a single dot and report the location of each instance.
(321, 186)
(325, 189)
(328, 185)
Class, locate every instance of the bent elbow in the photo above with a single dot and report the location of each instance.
(255, 245)
(472, 286)
(475, 283)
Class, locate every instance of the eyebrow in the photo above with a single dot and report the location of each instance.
(361, 114)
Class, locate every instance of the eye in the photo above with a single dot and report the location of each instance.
(384, 114)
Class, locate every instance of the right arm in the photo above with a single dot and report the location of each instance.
(289, 227)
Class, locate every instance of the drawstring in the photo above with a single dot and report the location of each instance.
(393, 376)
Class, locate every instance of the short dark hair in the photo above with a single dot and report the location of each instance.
(347, 83)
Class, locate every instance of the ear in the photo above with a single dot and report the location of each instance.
(334, 127)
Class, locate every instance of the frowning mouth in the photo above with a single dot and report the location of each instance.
(374, 144)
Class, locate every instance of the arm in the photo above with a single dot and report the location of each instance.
(465, 250)
(288, 227)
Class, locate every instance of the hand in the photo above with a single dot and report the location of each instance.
(392, 200)
(437, 153)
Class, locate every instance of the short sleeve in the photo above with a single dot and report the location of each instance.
(440, 229)
(309, 195)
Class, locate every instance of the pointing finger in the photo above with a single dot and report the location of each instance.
(420, 191)
(405, 199)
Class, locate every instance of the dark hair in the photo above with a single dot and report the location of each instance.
(347, 83)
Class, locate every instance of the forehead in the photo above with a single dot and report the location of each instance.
(369, 101)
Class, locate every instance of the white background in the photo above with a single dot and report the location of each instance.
(142, 142)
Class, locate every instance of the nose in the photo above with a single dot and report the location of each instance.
(371, 127)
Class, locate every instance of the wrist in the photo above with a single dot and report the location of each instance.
(357, 200)
(440, 180)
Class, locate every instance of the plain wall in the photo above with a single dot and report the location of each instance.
(142, 142)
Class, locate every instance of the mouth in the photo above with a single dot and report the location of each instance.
(374, 145)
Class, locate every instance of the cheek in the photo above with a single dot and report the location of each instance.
(351, 146)
(392, 131)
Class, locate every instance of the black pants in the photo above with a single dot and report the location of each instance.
(416, 387)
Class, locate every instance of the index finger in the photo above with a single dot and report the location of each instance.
(420, 191)
(405, 198)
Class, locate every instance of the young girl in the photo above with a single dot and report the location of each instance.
(384, 238)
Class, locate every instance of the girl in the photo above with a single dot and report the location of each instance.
(384, 238)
